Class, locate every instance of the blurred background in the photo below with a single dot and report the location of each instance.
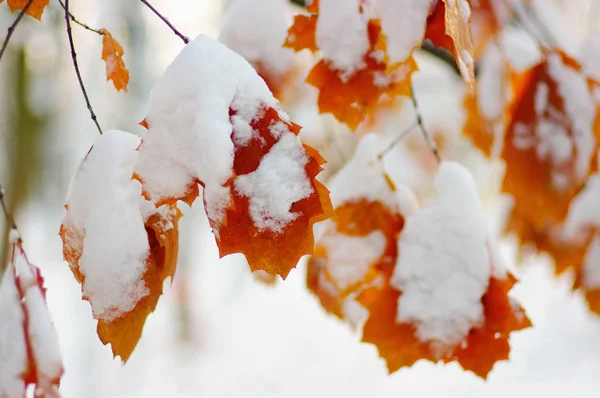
(217, 330)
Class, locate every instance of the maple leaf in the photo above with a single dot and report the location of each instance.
(29, 351)
(36, 9)
(408, 322)
(260, 191)
(448, 26)
(488, 18)
(112, 54)
(302, 33)
(549, 144)
(398, 344)
(477, 127)
(123, 287)
(360, 240)
(350, 96)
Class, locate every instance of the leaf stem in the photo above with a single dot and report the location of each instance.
(85, 26)
(76, 65)
(430, 143)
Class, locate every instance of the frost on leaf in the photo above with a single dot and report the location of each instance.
(119, 246)
(213, 121)
(446, 299)
(353, 74)
(488, 18)
(360, 241)
(29, 351)
(550, 142)
(256, 29)
(36, 9)
(112, 55)
(449, 26)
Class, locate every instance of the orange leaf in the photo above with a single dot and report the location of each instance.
(453, 32)
(484, 346)
(547, 156)
(349, 100)
(124, 290)
(270, 251)
(302, 33)
(112, 54)
(477, 128)
(36, 9)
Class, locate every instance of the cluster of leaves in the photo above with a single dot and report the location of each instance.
(420, 282)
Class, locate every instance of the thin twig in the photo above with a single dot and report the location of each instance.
(430, 143)
(165, 20)
(12, 27)
(74, 57)
(9, 218)
(396, 140)
(87, 27)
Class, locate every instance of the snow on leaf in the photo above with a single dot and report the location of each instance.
(112, 54)
(36, 9)
(29, 351)
(256, 29)
(550, 140)
(447, 296)
(213, 121)
(360, 240)
(354, 73)
(119, 246)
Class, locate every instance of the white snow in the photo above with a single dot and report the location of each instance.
(589, 56)
(363, 177)
(443, 266)
(104, 204)
(591, 264)
(14, 236)
(13, 349)
(403, 23)
(278, 182)
(256, 29)
(342, 35)
(349, 258)
(189, 135)
(580, 109)
(584, 212)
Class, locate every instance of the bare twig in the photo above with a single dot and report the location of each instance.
(165, 20)
(87, 27)
(9, 218)
(396, 140)
(12, 27)
(430, 143)
(74, 57)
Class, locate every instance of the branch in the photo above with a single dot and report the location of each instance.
(87, 27)
(12, 27)
(430, 143)
(396, 140)
(165, 20)
(74, 57)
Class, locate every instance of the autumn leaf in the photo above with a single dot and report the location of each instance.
(549, 146)
(349, 100)
(29, 351)
(120, 258)
(112, 54)
(260, 189)
(477, 128)
(449, 26)
(36, 9)
(350, 96)
(302, 33)
(398, 344)
(411, 315)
